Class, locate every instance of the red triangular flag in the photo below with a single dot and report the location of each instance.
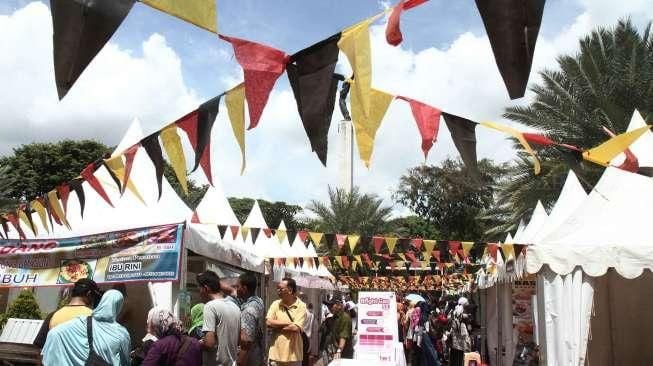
(417, 243)
(341, 238)
(428, 122)
(130, 154)
(413, 259)
(303, 235)
(537, 138)
(87, 174)
(454, 247)
(234, 231)
(378, 243)
(64, 191)
(345, 261)
(262, 66)
(436, 255)
(267, 232)
(366, 258)
(195, 219)
(14, 221)
(492, 249)
(393, 32)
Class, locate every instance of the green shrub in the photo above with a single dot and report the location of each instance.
(23, 307)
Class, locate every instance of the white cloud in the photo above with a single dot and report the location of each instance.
(461, 78)
(115, 87)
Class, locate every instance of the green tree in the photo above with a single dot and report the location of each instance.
(273, 212)
(350, 213)
(35, 169)
(448, 199)
(23, 307)
(412, 227)
(601, 85)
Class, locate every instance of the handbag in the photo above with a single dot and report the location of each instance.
(305, 341)
(93, 358)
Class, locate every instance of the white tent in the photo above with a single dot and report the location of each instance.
(538, 219)
(642, 147)
(571, 196)
(204, 237)
(607, 231)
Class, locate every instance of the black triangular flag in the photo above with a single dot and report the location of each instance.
(463, 134)
(206, 114)
(5, 227)
(291, 234)
(28, 213)
(403, 244)
(76, 185)
(330, 239)
(310, 73)
(512, 26)
(81, 29)
(223, 230)
(477, 251)
(443, 247)
(254, 231)
(153, 150)
(113, 176)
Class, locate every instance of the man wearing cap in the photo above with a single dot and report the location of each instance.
(341, 332)
(85, 295)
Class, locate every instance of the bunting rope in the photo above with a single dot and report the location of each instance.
(314, 84)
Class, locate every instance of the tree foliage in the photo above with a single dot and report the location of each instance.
(602, 85)
(23, 307)
(350, 213)
(411, 227)
(448, 199)
(273, 212)
(35, 169)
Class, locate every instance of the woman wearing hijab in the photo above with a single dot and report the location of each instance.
(171, 348)
(68, 343)
(139, 354)
(197, 320)
(460, 340)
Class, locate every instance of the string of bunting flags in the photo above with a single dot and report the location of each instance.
(450, 283)
(312, 77)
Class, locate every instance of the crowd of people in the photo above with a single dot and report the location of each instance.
(437, 332)
(227, 329)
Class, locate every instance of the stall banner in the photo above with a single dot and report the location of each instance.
(522, 319)
(377, 327)
(144, 254)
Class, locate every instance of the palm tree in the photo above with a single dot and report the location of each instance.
(350, 213)
(602, 85)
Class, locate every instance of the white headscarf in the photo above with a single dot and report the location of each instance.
(460, 308)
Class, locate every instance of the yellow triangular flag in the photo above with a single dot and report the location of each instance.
(429, 245)
(425, 264)
(508, 251)
(518, 135)
(339, 260)
(244, 231)
(38, 207)
(358, 259)
(402, 256)
(316, 238)
(172, 145)
(202, 13)
(608, 150)
(355, 44)
(235, 101)
(56, 206)
(118, 168)
(281, 234)
(23, 217)
(366, 125)
(354, 265)
(391, 243)
(467, 246)
(353, 241)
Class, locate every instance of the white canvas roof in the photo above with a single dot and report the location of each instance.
(538, 218)
(609, 229)
(128, 211)
(214, 208)
(571, 196)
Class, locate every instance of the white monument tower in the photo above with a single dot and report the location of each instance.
(345, 155)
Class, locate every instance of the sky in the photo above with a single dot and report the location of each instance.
(157, 68)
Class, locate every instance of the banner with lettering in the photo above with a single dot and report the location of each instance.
(144, 254)
(378, 333)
